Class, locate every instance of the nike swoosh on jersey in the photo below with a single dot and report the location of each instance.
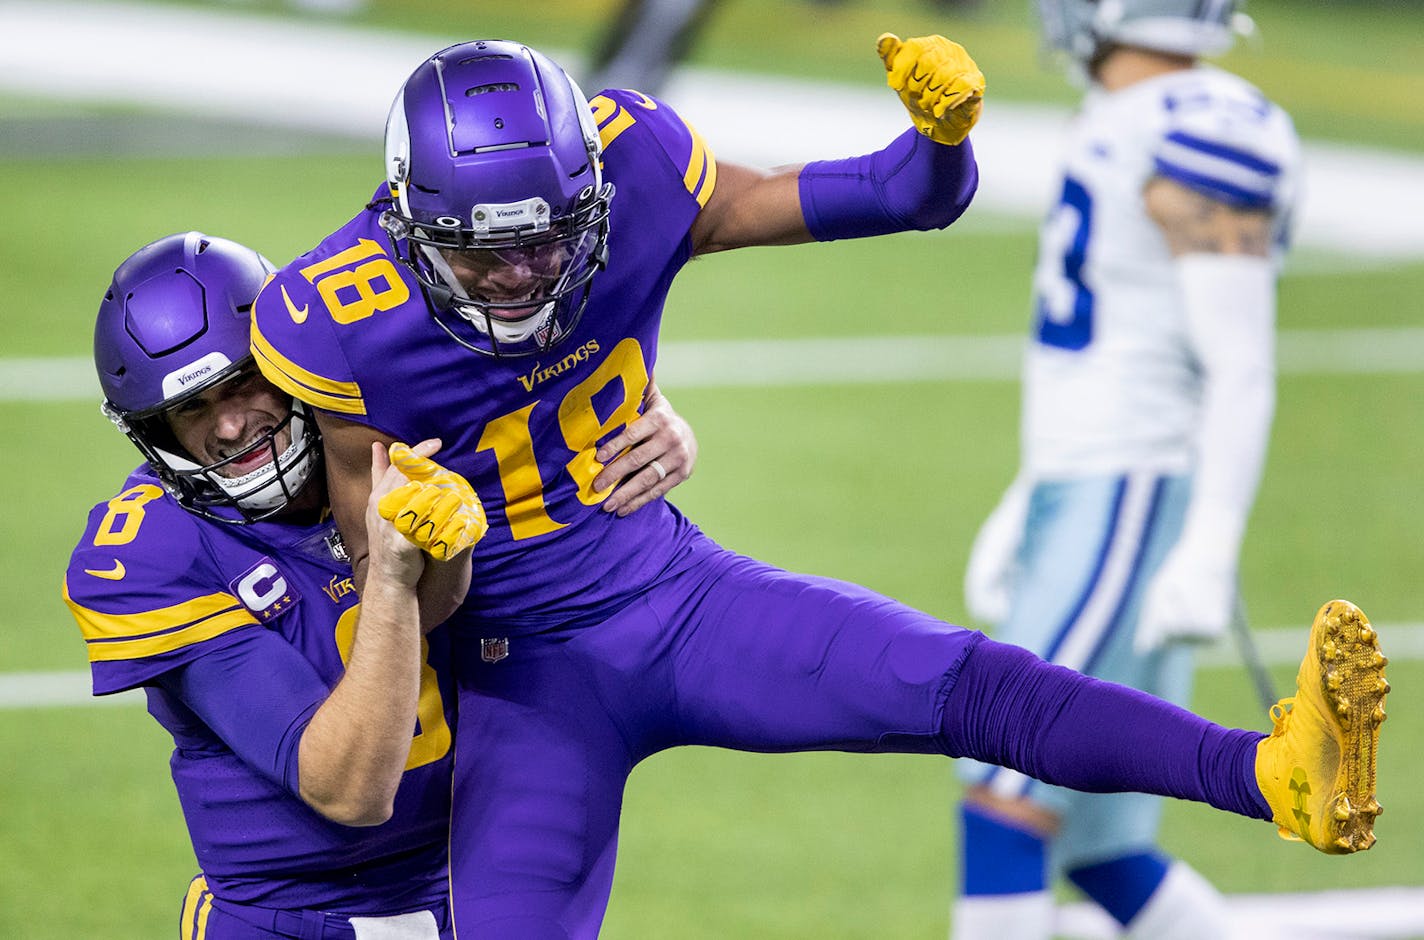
(299, 316)
(115, 573)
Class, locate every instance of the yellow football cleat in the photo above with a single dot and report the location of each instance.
(1317, 769)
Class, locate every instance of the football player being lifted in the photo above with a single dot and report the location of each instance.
(503, 291)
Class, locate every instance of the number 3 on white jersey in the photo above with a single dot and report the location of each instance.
(1063, 303)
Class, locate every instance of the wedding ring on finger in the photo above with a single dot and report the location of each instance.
(659, 469)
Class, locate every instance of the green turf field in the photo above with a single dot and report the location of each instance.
(879, 483)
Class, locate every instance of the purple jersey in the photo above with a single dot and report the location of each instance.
(347, 328)
(237, 634)
(645, 634)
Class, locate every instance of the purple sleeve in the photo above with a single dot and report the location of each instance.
(295, 324)
(914, 183)
(145, 591)
(257, 696)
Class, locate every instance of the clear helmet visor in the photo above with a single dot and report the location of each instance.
(511, 291)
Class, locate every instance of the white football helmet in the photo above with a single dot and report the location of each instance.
(1184, 27)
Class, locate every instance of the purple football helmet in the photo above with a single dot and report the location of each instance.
(499, 204)
(174, 323)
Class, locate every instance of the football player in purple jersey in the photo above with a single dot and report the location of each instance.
(502, 291)
(216, 581)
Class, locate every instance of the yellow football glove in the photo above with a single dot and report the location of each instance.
(939, 83)
(437, 510)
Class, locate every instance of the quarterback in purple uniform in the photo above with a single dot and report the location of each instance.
(217, 583)
(502, 291)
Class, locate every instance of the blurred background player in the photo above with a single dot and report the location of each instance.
(1147, 403)
(646, 40)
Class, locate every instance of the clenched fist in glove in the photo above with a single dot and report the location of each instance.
(939, 83)
(437, 510)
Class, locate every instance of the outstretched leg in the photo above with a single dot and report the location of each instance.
(1314, 776)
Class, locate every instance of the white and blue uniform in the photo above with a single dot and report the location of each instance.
(1112, 396)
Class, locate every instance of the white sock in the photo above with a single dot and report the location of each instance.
(1026, 916)
(1185, 906)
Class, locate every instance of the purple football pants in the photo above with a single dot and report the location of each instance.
(204, 917)
(738, 654)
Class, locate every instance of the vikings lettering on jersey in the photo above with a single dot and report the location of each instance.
(347, 328)
(167, 601)
(1110, 379)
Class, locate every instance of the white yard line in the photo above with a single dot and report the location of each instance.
(841, 361)
(56, 689)
(337, 78)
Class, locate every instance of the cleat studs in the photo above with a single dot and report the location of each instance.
(1328, 649)
(1332, 680)
(1344, 845)
(1367, 840)
(1342, 706)
(1372, 808)
(1342, 811)
(1367, 633)
(1378, 660)
(1378, 715)
(1382, 686)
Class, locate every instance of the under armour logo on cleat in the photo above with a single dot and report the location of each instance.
(1300, 796)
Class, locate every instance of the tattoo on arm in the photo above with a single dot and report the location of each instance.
(1194, 223)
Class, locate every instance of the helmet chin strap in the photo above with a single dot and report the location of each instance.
(505, 331)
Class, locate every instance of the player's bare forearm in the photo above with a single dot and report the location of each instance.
(442, 590)
(347, 449)
(1194, 223)
(353, 752)
(750, 207)
(347, 446)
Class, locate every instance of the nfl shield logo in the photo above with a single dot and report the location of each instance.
(493, 649)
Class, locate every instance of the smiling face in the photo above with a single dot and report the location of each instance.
(508, 276)
(221, 422)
